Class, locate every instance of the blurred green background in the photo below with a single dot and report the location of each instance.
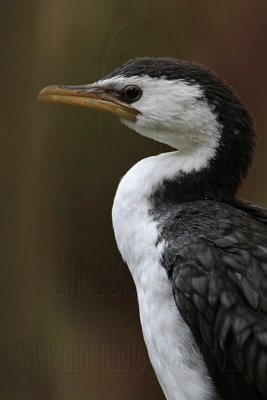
(69, 319)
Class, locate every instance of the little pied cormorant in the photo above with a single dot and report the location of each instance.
(197, 254)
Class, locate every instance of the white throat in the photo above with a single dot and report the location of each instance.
(132, 200)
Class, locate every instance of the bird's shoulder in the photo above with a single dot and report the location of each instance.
(215, 255)
(217, 222)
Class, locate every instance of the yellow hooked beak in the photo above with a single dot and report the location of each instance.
(90, 96)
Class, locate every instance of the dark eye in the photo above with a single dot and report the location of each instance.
(131, 93)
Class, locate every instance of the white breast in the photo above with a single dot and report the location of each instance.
(173, 353)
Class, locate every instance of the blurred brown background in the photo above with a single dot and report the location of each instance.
(69, 318)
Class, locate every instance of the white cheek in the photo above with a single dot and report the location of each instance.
(176, 106)
(173, 112)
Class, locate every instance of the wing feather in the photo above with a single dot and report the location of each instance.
(216, 258)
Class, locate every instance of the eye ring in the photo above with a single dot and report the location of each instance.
(131, 93)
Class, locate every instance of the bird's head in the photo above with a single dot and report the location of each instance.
(179, 103)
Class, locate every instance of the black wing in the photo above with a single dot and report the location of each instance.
(216, 259)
